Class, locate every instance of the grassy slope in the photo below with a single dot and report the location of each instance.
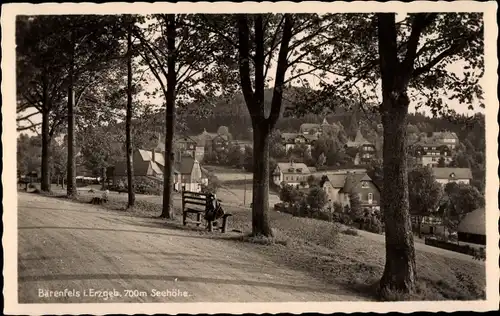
(321, 249)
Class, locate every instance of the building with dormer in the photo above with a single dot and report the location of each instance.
(430, 154)
(291, 173)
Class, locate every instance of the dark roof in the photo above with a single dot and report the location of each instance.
(349, 186)
(185, 166)
(474, 222)
(358, 141)
(141, 168)
(339, 180)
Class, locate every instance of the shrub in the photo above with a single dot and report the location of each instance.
(316, 198)
(31, 186)
(375, 226)
(337, 207)
(351, 232)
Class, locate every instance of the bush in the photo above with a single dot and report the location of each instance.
(351, 232)
(375, 226)
(316, 198)
(337, 207)
(31, 186)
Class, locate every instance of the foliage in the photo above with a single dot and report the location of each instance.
(461, 199)
(29, 151)
(289, 194)
(355, 210)
(214, 184)
(424, 191)
(248, 159)
(317, 198)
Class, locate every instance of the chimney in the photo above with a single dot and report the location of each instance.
(153, 152)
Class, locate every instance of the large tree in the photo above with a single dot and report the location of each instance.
(84, 44)
(261, 42)
(425, 58)
(180, 55)
(422, 65)
(40, 83)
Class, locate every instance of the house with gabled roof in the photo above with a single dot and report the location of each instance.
(360, 149)
(313, 129)
(291, 173)
(338, 186)
(448, 175)
(430, 153)
(150, 164)
(447, 138)
(290, 140)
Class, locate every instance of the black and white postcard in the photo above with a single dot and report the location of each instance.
(250, 157)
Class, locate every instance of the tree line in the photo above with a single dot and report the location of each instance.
(92, 72)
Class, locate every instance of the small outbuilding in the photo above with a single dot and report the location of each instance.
(472, 228)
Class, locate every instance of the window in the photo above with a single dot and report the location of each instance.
(370, 197)
(360, 196)
(364, 184)
(286, 178)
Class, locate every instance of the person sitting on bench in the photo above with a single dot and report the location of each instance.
(214, 209)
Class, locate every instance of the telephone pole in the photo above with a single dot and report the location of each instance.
(245, 192)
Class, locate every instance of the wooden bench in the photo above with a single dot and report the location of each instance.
(200, 202)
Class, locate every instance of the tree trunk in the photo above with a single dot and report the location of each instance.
(45, 181)
(260, 198)
(400, 269)
(168, 208)
(419, 228)
(128, 124)
(103, 179)
(71, 163)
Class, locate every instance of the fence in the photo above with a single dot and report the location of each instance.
(466, 249)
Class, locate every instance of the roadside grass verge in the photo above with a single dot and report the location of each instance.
(327, 251)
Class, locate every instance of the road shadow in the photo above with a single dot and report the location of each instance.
(126, 231)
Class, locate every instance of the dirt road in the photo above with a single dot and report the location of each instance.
(86, 254)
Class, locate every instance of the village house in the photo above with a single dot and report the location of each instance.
(339, 186)
(457, 175)
(360, 149)
(313, 129)
(430, 154)
(213, 141)
(291, 173)
(447, 138)
(149, 165)
(290, 140)
(429, 225)
(186, 145)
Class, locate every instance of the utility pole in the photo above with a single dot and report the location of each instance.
(245, 192)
